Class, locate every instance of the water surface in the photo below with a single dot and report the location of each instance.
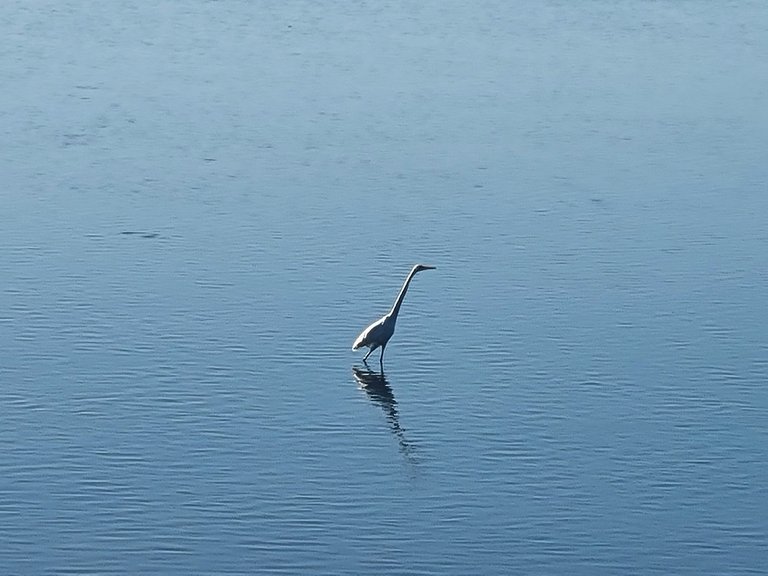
(203, 203)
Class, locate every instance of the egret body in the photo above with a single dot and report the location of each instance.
(378, 334)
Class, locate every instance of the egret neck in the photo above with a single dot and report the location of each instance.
(396, 306)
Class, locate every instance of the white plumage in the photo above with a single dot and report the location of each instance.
(378, 334)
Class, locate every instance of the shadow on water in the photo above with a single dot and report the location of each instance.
(377, 388)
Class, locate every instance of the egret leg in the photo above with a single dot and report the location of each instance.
(369, 353)
(381, 358)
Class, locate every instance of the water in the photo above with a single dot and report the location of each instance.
(203, 203)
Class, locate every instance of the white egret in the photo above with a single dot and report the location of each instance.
(378, 334)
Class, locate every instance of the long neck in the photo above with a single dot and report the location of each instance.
(396, 306)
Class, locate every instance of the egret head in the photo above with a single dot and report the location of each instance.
(420, 267)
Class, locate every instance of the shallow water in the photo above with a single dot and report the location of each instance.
(205, 202)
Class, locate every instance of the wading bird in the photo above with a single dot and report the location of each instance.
(378, 334)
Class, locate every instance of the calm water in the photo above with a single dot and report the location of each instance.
(203, 203)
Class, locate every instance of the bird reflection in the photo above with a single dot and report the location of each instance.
(379, 391)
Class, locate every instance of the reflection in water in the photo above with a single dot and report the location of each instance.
(379, 391)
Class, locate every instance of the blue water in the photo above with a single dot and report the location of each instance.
(203, 203)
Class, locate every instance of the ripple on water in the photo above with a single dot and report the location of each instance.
(579, 386)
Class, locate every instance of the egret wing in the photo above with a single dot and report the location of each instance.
(368, 336)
